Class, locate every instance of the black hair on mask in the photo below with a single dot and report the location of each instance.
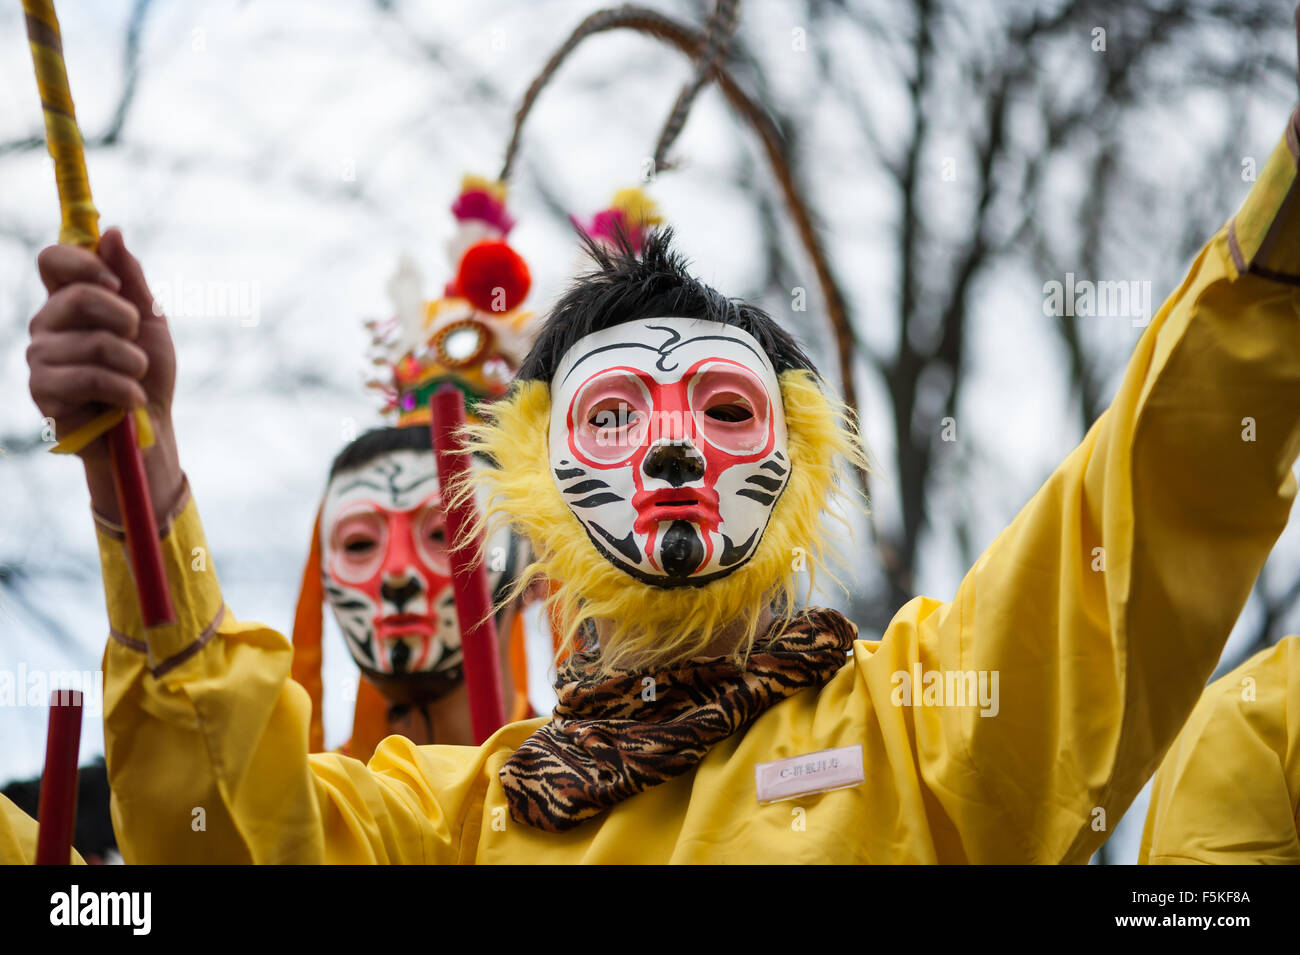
(378, 442)
(625, 286)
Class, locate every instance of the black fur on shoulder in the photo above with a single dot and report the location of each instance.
(378, 442)
(624, 287)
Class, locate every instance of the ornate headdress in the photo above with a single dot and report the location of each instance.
(474, 336)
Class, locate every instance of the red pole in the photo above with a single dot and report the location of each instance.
(468, 572)
(80, 227)
(136, 507)
(57, 813)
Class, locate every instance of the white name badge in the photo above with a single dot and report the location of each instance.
(818, 772)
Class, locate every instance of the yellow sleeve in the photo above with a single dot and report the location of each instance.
(206, 739)
(1228, 792)
(18, 836)
(1102, 609)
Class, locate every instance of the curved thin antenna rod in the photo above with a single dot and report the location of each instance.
(692, 43)
(721, 25)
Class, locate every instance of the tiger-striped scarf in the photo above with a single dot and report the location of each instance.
(613, 737)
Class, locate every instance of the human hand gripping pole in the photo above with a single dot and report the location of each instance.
(468, 570)
(80, 226)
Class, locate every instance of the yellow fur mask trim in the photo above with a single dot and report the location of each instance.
(655, 626)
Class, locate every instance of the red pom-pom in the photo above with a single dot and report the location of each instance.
(493, 276)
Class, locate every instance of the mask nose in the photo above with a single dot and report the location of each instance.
(399, 594)
(678, 463)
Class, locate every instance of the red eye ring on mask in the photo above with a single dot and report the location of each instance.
(430, 531)
(359, 542)
(731, 406)
(609, 415)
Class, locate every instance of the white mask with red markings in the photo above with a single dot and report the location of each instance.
(668, 442)
(384, 557)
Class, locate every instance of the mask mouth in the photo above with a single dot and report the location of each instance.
(404, 624)
(697, 505)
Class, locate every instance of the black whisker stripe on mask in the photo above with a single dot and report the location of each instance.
(565, 474)
(585, 487)
(774, 468)
(362, 640)
(764, 499)
(732, 554)
(766, 483)
(625, 545)
(596, 500)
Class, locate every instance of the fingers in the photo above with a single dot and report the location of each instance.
(83, 306)
(62, 265)
(88, 349)
(63, 390)
(113, 250)
(99, 348)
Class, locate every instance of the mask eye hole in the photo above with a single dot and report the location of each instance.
(431, 537)
(609, 416)
(612, 414)
(730, 410)
(360, 538)
(360, 545)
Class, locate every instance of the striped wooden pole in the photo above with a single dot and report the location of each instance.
(80, 227)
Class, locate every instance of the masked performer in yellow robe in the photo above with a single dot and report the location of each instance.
(378, 554)
(1228, 792)
(671, 454)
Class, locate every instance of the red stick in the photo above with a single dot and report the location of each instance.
(57, 813)
(136, 508)
(468, 571)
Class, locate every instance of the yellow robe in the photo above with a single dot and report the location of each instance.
(18, 836)
(1102, 610)
(1229, 790)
